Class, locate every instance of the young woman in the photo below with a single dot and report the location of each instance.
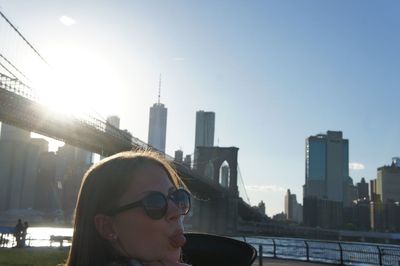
(129, 212)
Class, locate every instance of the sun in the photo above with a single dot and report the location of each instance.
(78, 82)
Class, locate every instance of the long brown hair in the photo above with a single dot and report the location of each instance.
(102, 186)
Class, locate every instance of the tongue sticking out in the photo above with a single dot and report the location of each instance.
(177, 240)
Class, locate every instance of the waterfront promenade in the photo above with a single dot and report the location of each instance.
(278, 262)
(276, 251)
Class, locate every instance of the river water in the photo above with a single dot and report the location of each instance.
(40, 236)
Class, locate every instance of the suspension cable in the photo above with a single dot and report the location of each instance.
(244, 187)
(3, 66)
(23, 38)
(11, 64)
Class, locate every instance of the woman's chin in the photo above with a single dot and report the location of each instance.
(174, 255)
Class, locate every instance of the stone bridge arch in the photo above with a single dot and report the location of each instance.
(218, 214)
(224, 174)
(217, 156)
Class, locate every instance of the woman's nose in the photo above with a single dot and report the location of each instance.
(173, 212)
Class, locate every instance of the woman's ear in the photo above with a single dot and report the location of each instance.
(104, 226)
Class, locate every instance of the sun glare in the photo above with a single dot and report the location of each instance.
(78, 83)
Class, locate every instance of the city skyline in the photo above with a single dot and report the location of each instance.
(34, 181)
(273, 72)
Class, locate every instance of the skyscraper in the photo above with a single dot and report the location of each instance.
(385, 195)
(9, 132)
(112, 125)
(179, 156)
(71, 164)
(158, 124)
(362, 190)
(205, 124)
(293, 210)
(327, 166)
(19, 159)
(47, 191)
(388, 183)
(327, 179)
(188, 160)
(261, 207)
(113, 121)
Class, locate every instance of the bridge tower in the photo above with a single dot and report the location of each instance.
(220, 214)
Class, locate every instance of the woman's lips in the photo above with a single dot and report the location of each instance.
(177, 240)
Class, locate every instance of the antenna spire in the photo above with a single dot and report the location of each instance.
(159, 90)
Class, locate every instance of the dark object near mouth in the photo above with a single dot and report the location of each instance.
(210, 250)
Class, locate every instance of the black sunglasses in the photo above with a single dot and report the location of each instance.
(156, 204)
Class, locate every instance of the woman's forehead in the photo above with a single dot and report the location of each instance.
(150, 177)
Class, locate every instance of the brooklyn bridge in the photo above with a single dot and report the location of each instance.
(217, 208)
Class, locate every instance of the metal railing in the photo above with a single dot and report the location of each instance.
(16, 86)
(331, 252)
(7, 240)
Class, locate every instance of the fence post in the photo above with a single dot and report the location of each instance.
(379, 255)
(273, 241)
(260, 255)
(307, 250)
(341, 254)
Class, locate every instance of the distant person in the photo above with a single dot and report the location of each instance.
(24, 232)
(129, 212)
(18, 233)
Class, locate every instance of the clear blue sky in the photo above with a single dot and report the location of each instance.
(274, 72)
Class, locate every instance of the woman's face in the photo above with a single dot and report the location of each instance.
(138, 235)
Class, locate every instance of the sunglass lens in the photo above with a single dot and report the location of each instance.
(182, 199)
(155, 205)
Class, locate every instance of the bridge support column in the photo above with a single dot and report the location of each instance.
(221, 215)
(222, 211)
(215, 215)
(201, 219)
(233, 216)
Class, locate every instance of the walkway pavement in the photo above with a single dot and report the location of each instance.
(281, 262)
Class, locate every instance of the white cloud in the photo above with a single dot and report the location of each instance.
(67, 21)
(265, 188)
(356, 166)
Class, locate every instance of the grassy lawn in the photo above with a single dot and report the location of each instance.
(32, 256)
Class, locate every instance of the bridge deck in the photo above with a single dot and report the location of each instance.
(281, 262)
